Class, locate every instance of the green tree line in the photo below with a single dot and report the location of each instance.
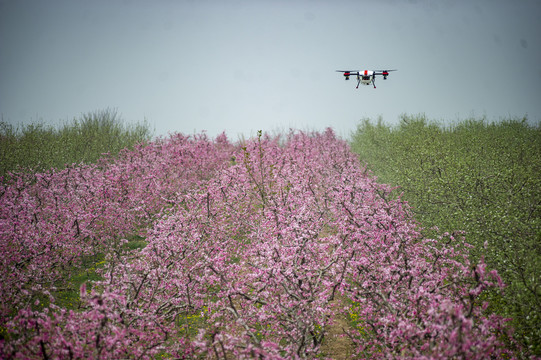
(480, 177)
(38, 147)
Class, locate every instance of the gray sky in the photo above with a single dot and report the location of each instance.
(240, 66)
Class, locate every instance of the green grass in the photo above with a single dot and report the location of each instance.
(37, 147)
(480, 177)
(68, 295)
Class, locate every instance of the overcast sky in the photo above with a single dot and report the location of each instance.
(245, 65)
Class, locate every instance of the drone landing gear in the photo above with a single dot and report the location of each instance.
(359, 82)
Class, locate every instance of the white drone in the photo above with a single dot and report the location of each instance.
(365, 77)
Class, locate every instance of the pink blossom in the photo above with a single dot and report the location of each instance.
(254, 244)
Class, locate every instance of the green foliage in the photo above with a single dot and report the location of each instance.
(38, 147)
(476, 176)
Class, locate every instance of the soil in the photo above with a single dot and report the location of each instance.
(337, 346)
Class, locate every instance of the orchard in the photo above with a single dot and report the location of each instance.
(207, 249)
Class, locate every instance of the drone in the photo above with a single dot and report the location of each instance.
(365, 77)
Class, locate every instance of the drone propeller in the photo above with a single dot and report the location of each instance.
(348, 73)
(385, 73)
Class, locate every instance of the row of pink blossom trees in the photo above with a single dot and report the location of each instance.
(252, 252)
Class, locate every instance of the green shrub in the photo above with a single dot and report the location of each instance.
(483, 178)
(38, 147)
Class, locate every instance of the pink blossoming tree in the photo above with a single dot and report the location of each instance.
(251, 252)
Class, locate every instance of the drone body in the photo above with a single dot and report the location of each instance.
(365, 77)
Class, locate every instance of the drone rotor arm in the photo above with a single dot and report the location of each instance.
(348, 73)
(383, 72)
